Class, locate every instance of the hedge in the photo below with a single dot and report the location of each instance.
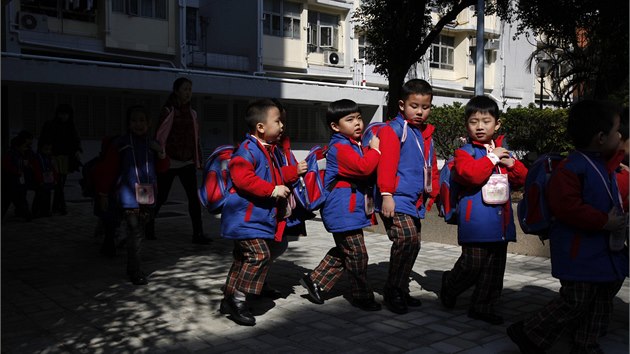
(529, 131)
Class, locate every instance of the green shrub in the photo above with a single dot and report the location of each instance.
(530, 131)
(534, 131)
(450, 128)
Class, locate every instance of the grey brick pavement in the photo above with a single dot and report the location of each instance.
(60, 296)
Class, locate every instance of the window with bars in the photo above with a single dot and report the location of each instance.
(323, 31)
(142, 8)
(442, 50)
(282, 18)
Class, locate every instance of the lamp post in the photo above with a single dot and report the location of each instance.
(542, 69)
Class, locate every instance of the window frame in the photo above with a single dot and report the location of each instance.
(443, 48)
(315, 25)
(275, 12)
(142, 8)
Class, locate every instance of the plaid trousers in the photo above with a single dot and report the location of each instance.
(481, 265)
(404, 232)
(247, 274)
(587, 305)
(350, 255)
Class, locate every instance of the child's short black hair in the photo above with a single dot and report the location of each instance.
(588, 118)
(136, 109)
(340, 109)
(416, 87)
(481, 104)
(257, 112)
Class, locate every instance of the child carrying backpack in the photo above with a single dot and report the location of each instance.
(533, 212)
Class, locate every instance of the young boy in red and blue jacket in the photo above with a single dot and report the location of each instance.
(584, 199)
(485, 221)
(407, 177)
(256, 209)
(345, 213)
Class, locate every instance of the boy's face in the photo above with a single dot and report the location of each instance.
(416, 108)
(271, 130)
(350, 126)
(138, 123)
(481, 127)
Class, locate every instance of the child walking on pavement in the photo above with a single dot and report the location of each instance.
(406, 177)
(345, 213)
(129, 169)
(486, 171)
(584, 200)
(256, 208)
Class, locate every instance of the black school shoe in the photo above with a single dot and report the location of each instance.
(395, 301)
(237, 310)
(486, 317)
(366, 304)
(313, 289)
(518, 336)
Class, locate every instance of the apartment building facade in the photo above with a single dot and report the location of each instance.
(102, 56)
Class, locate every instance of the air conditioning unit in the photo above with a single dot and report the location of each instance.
(333, 58)
(32, 22)
(490, 44)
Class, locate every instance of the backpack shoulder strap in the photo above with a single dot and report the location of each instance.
(469, 149)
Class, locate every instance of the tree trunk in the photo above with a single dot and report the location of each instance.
(396, 80)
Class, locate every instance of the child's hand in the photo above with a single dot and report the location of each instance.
(388, 207)
(375, 142)
(501, 152)
(616, 221)
(280, 191)
(507, 162)
(155, 146)
(301, 168)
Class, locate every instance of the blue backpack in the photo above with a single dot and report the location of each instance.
(533, 211)
(372, 130)
(216, 179)
(449, 189)
(309, 190)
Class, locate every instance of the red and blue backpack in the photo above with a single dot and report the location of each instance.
(216, 179)
(309, 190)
(533, 212)
(449, 189)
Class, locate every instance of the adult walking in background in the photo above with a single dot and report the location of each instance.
(66, 150)
(178, 134)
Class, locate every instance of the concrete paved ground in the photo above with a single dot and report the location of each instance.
(60, 296)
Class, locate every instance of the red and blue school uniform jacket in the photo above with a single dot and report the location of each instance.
(401, 169)
(117, 171)
(478, 221)
(348, 168)
(580, 203)
(250, 211)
